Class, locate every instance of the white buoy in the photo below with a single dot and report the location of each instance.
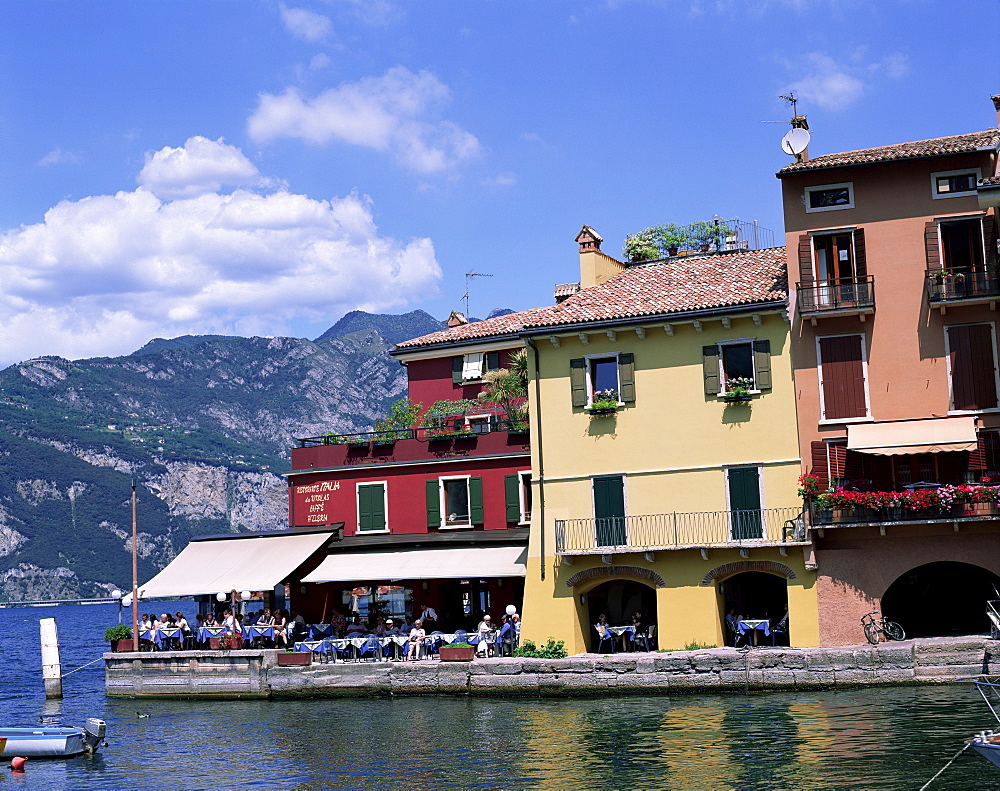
(51, 669)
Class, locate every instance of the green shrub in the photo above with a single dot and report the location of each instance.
(554, 649)
(117, 632)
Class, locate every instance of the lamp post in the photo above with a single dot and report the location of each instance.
(135, 572)
(117, 596)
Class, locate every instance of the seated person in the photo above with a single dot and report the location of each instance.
(390, 628)
(485, 630)
(416, 640)
(296, 625)
(355, 628)
(280, 628)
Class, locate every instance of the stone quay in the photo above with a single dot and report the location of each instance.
(257, 674)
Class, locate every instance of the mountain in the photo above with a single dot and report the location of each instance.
(203, 423)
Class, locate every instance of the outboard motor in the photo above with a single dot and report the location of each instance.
(93, 734)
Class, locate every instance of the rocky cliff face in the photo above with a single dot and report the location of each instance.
(204, 425)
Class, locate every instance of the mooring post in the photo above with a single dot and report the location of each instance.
(51, 669)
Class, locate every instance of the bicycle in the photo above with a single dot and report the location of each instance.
(890, 630)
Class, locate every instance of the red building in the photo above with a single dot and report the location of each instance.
(437, 515)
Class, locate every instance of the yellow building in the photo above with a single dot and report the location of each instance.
(665, 496)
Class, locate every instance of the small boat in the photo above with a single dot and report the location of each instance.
(986, 742)
(52, 742)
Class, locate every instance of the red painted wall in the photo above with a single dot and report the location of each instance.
(325, 497)
(430, 380)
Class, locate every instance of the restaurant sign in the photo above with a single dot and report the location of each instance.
(313, 501)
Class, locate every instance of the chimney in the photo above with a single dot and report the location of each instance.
(799, 122)
(996, 105)
(456, 319)
(595, 266)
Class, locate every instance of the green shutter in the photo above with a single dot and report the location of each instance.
(433, 504)
(578, 381)
(492, 361)
(476, 501)
(457, 364)
(762, 364)
(609, 510)
(710, 364)
(626, 377)
(371, 507)
(512, 492)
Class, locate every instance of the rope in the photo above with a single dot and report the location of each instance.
(71, 672)
(928, 783)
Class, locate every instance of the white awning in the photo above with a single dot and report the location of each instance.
(239, 563)
(421, 564)
(933, 435)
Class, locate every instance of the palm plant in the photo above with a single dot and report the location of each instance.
(506, 386)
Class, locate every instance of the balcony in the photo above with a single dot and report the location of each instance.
(691, 530)
(492, 437)
(825, 517)
(953, 287)
(848, 296)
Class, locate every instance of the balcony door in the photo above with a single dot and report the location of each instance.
(609, 510)
(744, 503)
(836, 274)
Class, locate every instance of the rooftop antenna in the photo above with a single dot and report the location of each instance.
(465, 296)
(796, 139)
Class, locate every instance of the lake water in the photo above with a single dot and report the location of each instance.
(880, 738)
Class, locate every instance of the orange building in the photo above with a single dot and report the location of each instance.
(893, 255)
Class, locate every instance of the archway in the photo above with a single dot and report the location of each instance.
(941, 598)
(620, 599)
(753, 595)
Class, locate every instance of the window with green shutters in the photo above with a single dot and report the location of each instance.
(517, 494)
(371, 507)
(609, 510)
(588, 375)
(455, 502)
(742, 359)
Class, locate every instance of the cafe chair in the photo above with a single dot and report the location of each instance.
(641, 638)
(461, 636)
(609, 638)
(371, 646)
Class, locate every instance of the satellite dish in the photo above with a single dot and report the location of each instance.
(795, 141)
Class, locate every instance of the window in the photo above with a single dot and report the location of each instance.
(372, 508)
(961, 244)
(602, 372)
(479, 424)
(955, 183)
(972, 368)
(743, 494)
(743, 358)
(829, 197)
(455, 502)
(609, 511)
(843, 377)
(471, 367)
(517, 489)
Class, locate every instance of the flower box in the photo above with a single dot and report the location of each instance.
(450, 653)
(601, 410)
(737, 399)
(122, 646)
(232, 642)
(291, 658)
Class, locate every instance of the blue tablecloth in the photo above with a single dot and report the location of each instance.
(159, 637)
(206, 632)
(258, 630)
(317, 630)
(751, 627)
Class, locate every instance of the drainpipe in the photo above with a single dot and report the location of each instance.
(541, 466)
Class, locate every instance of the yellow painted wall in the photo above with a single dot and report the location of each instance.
(672, 445)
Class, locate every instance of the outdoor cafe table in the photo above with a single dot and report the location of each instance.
(320, 630)
(206, 632)
(753, 626)
(164, 634)
(255, 630)
(327, 645)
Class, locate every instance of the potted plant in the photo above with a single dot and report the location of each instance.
(603, 402)
(738, 390)
(642, 246)
(357, 442)
(517, 427)
(225, 642)
(705, 233)
(120, 637)
(671, 237)
(331, 438)
(458, 652)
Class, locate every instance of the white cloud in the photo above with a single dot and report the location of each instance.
(319, 61)
(500, 180)
(393, 113)
(102, 275)
(199, 166)
(59, 157)
(836, 83)
(306, 25)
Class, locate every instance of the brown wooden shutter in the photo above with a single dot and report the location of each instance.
(626, 377)
(973, 368)
(457, 364)
(843, 374)
(837, 452)
(931, 245)
(805, 260)
(819, 463)
(578, 381)
(860, 260)
(762, 364)
(710, 369)
(977, 457)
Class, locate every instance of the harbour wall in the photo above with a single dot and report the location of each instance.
(256, 673)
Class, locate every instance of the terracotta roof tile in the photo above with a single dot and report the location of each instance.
(956, 144)
(669, 286)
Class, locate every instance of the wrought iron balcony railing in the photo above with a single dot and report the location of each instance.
(682, 530)
(955, 285)
(843, 295)
(821, 517)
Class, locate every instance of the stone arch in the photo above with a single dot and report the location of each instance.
(728, 569)
(617, 571)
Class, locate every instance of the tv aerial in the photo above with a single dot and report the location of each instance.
(465, 296)
(796, 140)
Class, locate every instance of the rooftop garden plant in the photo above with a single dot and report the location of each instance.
(707, 232)
(403, 417)
(915, 500)
(508, 387)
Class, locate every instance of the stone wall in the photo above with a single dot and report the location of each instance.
(237, 674)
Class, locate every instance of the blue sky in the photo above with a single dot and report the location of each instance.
(260, 167)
